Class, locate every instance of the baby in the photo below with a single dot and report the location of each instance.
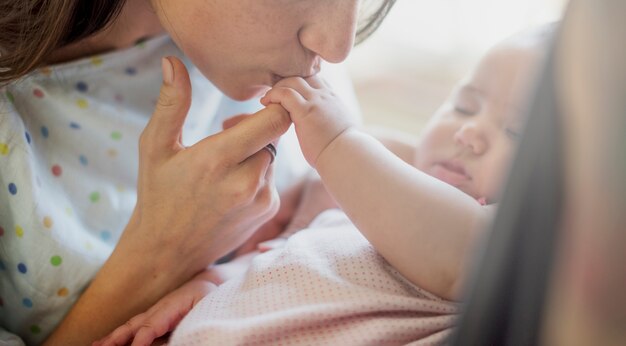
(389, 272)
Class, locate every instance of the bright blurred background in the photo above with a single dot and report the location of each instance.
(406, 69)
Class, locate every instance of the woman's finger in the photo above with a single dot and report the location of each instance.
(266, 197)
(249, 136)
(256, 169)
(164, 129)
(234, 120)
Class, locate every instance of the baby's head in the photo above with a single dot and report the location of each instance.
(470, 140)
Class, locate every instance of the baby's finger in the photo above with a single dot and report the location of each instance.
(271, 244)
(289, 98)
(124, 333)
(298, 84)
(159, 322)
(317, 82)
(146, 335)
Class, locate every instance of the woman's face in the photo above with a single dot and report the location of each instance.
(245, 46)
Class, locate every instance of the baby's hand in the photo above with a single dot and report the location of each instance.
(318, 114)
(164, 316)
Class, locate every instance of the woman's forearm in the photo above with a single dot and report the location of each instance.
(422, 226)
(129, 283)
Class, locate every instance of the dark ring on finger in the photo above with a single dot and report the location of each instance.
(270, 148)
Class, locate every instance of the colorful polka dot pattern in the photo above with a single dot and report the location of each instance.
(56, 261)
(45, 132)
(10, 97)
(326, 286)
(82, 87)
(57, 170)
(63, 292)
(19, 231)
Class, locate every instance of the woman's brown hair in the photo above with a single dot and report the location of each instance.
(369, 22)
(30, 30)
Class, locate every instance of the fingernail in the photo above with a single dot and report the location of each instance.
(168, 71)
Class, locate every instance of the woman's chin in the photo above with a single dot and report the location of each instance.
(247, 93)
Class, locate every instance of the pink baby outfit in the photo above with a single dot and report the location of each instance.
(327, 286)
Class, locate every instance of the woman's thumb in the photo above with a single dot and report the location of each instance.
(165, 126)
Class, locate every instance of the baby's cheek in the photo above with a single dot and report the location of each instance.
(422, 163)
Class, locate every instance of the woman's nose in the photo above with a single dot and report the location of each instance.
(473, 137)
(331, 35)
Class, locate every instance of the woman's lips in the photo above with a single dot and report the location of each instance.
(451, 173)
(275, 79)
(312, 71)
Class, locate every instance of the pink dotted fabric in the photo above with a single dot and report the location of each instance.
(328, 285)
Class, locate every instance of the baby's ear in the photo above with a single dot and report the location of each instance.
(232, 121)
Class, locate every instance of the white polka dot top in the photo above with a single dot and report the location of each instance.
(327, 286)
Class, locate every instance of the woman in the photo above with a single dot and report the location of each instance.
(70, 125)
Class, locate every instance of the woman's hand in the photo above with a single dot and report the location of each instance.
(194, 205)
(317, 112)
(204, 200)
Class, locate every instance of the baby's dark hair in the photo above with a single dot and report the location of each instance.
(30, 30)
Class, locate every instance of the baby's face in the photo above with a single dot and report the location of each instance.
(470, 140)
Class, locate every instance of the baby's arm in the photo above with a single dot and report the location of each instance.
(425, 228)
(401, 144)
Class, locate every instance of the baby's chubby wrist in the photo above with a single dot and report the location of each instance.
(332, 148)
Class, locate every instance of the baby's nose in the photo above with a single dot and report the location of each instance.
(471, 136)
